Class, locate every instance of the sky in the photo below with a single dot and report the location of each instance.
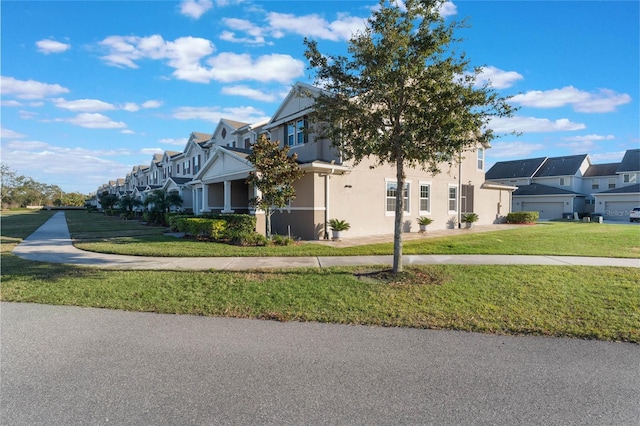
(90, 89)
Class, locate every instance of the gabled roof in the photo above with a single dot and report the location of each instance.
(630, 189)
(180, 180)
(630, 161)
(199, 137)
(561, 166)
(233, 123)
(596, 170)
(538, 189)
(299, 90)
(514, 169)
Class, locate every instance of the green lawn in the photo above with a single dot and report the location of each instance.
(111, 235)
(583, 302)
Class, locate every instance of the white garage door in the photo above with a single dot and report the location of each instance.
(618, 210)
(546, 210)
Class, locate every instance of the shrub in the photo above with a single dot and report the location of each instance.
(523, 217)
(202, 227)
(339, 225)
(247, 239)
(172, 220)
(280, 240)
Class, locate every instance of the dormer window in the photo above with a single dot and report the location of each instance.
(224, 133)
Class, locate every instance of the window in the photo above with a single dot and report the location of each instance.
(425, 202)
(595, 184)
(296, 133)
(196, 164)
(480, 158)
(565, 181)
(247, 143)
(453, 198)
(392, 188)
(612, 183)
(628, 178)
(186, 168)
(177, 169)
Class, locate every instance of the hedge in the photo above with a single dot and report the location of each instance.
(200, 227)
(523, 217)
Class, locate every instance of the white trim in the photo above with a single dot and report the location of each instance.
(454, 186)
(420, 184)
(408, 197)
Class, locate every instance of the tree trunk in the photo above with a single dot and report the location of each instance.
(267, 216)
(397, 231)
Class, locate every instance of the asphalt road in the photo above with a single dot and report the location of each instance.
(80, 366)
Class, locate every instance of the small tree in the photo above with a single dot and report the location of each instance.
(107, 201)
(128, 203)
(274, 175)
(404, 96)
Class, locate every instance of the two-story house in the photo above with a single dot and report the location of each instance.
(335, 188)
(561, 186)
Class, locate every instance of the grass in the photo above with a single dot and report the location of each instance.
(570, 301)
(110, 235)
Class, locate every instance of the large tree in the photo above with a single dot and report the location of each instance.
(403, 95)
(274, 175)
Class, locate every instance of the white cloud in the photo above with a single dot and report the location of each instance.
(314, 26)
(195, 8)
(52, 46)
(497, 78)
(584, 138)
(533, 125)
(514, 149)
(248, 92)
(607, 157)
(85, 105)
(50, 164)
(229, 67)
(186, 53)
(151, 104)
(93, 121)
(10, 134)
(448, 9)
(130, 106)
(127, 132)
(151, 151)
(256, 33)
(214, 114)
(29, 89)
(604, 100)
(174, 141)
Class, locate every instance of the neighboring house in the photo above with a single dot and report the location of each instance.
(215, 170)
(560, 186)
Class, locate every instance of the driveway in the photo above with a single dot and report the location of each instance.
(82, 366)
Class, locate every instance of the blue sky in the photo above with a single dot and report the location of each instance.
(90, 89)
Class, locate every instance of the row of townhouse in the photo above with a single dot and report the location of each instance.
(210, 174)
(560, 186)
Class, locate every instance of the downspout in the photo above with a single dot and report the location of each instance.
(459, 196)
(326, 204)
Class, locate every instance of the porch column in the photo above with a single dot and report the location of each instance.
(196, 201)
(205, 198)
(227, 197)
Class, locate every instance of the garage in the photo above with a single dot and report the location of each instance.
(618, 210)
(547, 210)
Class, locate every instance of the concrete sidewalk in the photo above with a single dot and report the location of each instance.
(52, 243)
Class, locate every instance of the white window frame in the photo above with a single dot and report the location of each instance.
(296, 132)
(565, 181)
(595, 184)
(480, 159)
(629, 178)
(612, 183)
(454, 199)
(407, 198)
(428, 198)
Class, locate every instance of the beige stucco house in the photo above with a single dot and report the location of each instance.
(334, 188)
